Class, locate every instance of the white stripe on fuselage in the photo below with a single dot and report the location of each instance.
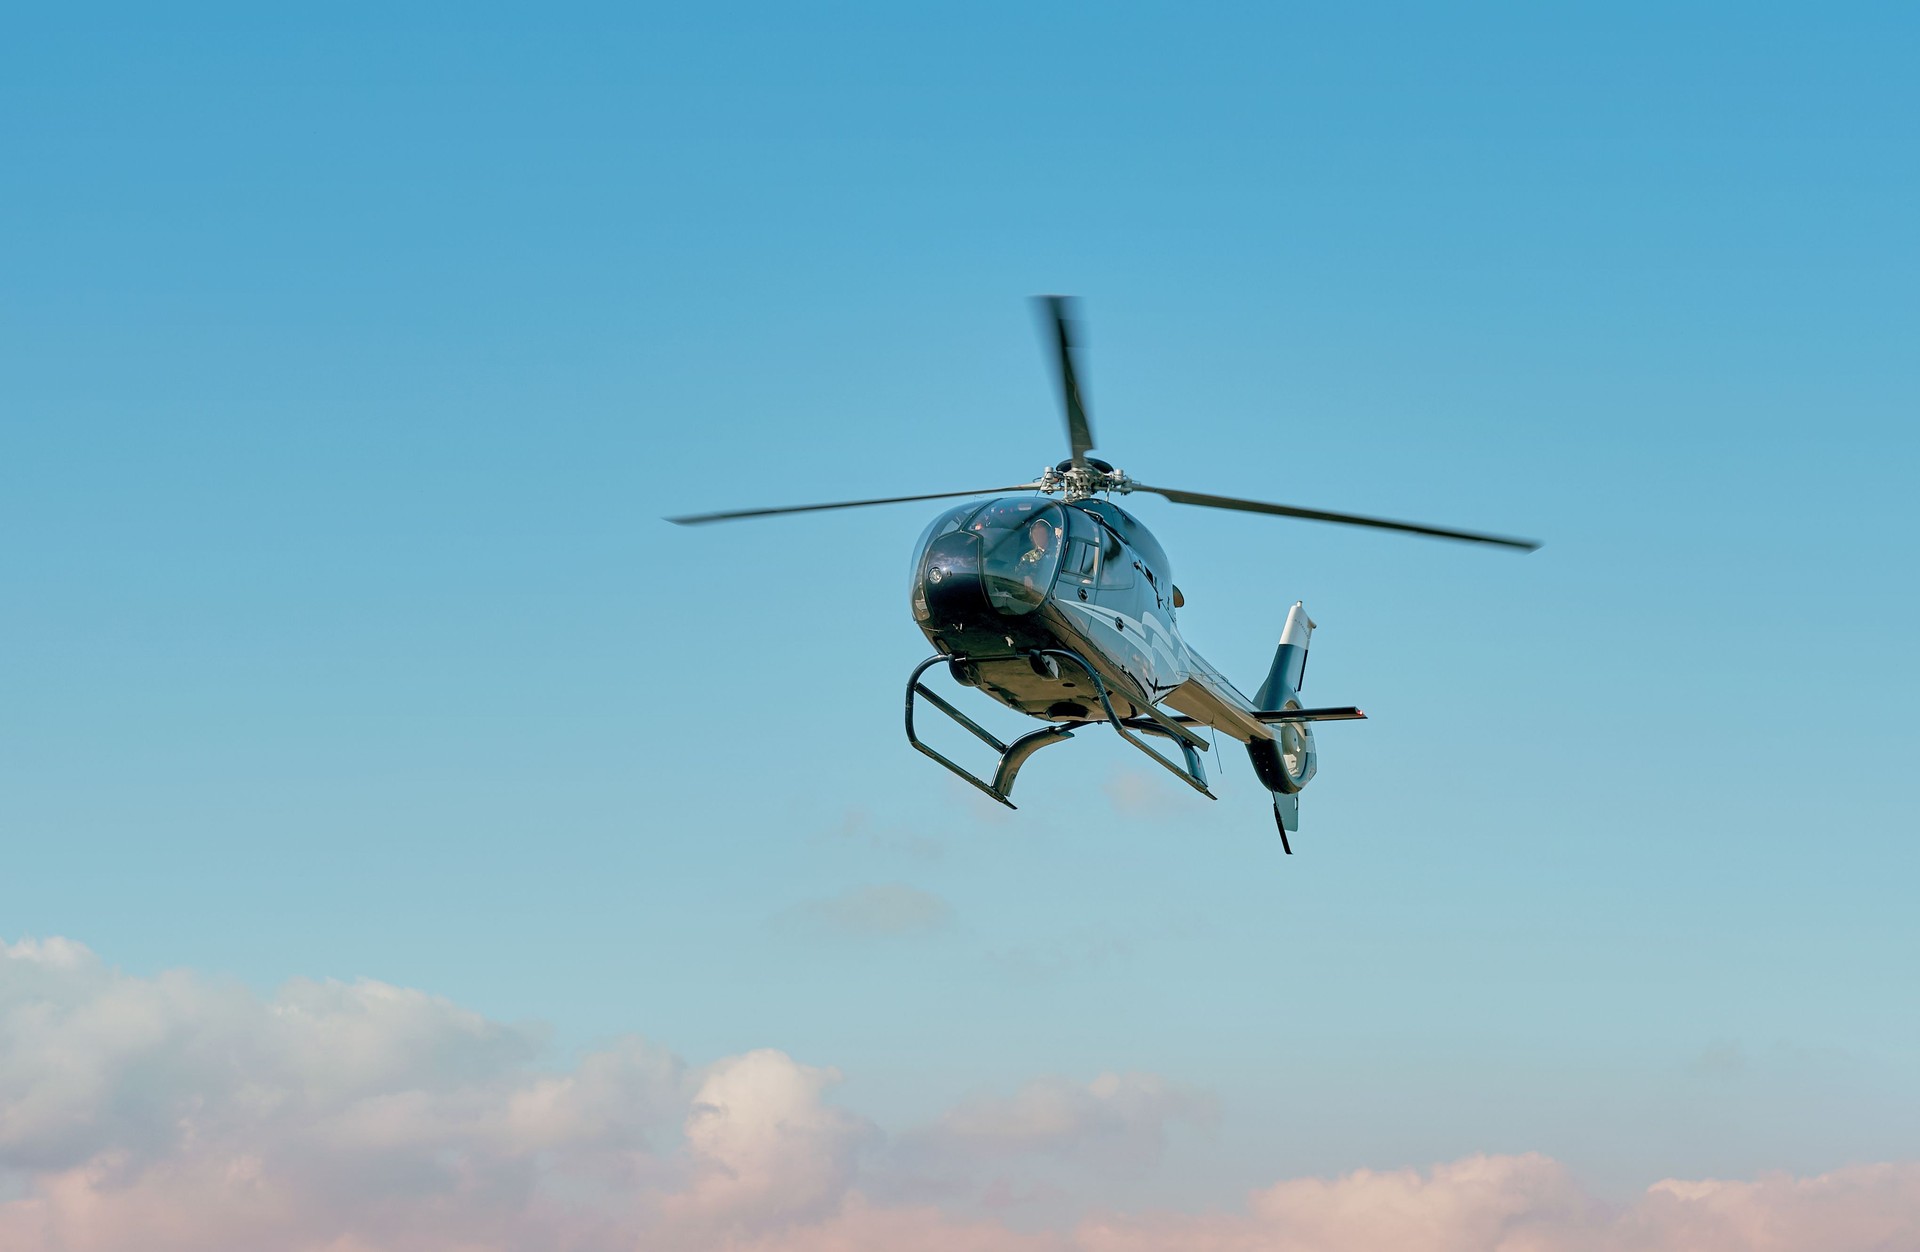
(1165, 654)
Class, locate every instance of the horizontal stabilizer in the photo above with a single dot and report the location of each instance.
(1312, 715)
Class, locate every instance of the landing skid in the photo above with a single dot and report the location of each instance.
(1015, 754)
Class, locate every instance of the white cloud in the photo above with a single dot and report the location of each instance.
(140, 1109)
(1531, 1204)
(1046, 1151)
(766, 1148)
(1117, 1120)
(182, 1113)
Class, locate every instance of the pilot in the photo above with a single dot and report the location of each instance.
(1042, 536)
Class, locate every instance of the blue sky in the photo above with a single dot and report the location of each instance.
(353, 359)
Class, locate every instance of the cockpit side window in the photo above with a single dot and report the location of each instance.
(1082, 560)
(1116, 566)
(1084, 537)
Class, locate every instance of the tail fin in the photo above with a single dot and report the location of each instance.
(1289, 668)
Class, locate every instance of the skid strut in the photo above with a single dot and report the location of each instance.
(1014, 755)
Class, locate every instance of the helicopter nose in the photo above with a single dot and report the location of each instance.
(951, 581)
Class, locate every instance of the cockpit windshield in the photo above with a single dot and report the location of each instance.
(951, 520)
(1021, 541)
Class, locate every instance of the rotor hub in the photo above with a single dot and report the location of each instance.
(1073, 483)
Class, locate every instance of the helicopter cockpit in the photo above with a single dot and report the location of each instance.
(1010, 550)
(1021, 540)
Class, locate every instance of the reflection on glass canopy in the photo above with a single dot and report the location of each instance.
(951, 520)
(1021, 542)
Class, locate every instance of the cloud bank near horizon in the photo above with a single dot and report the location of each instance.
(183, 1112)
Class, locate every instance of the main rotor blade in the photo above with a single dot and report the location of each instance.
(700, 519)
(1079, 432)
(1347, 519)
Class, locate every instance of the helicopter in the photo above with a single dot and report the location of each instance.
(1061, 605)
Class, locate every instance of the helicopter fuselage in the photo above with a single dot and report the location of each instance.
(998, 584)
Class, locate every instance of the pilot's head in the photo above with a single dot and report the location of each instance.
(1040, 533)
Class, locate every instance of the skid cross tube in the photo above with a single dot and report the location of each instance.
(1012, 756)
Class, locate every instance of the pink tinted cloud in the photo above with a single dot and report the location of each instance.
(178, 1112)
